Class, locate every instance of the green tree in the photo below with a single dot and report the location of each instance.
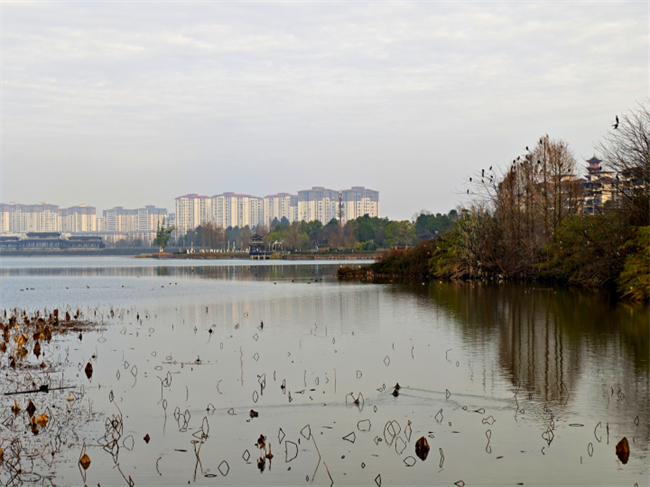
(428, 225)
(400, 233)
(163, 234)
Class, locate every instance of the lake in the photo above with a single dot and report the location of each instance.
(507, 384)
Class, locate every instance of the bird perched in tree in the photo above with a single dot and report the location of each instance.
(527, 148)
(482, 172)
(468, 191)
(616, 124)
(490, 168)
(470, 180)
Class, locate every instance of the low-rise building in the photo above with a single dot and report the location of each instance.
(50, 240)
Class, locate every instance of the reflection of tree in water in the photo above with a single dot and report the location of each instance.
(546, 337)
(162, 271)
(236, 270)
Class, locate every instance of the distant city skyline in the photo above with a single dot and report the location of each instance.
(125, 103)
(227, 209)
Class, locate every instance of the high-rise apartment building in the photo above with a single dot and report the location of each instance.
(237, 210)
(359, 201)
(281, 205)
(224, 210)
(241, 210)
(317, 203)
(43, 217)
(191, 211)
(80, 218)
(150, 217)
(119, 219)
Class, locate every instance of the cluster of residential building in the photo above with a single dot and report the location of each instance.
(47, 225)
(57, 224)
(44, 217)
(240, 210)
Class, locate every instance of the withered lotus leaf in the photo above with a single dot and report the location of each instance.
(42, 420)
(89, 370)
(623, 450)
(422, 448)
(2, 455)
(21, 339)
(85, 461)
(37, 349)
(146, 438)
(31, 409)
(15, 408)
(21, 352)
(3, 347)
(32, 424)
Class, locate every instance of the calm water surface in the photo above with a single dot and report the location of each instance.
(509, 384)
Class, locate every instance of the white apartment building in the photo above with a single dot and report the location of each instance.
(150, 217)
(281, 205)
(191, 211)
(224, 210)
(358, 201)
(119, 219)
(237, 210)
(318, 203)
(81, 218)
(44, 217)
(241, 210)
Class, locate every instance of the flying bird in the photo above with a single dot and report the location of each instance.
(616, 124)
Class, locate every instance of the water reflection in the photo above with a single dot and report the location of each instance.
(542, 332)
(551, 342)
(225, 271)
(574, 356)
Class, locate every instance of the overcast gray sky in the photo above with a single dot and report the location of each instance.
(135, 103)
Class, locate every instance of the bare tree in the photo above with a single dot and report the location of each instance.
(626, 151)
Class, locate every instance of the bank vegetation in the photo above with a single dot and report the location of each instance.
(534, 220)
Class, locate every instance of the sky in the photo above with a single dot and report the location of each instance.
(135, 103)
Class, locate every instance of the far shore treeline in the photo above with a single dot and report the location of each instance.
(528, 222)
(361, 234)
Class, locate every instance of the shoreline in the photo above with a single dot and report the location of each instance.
(139, 254)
